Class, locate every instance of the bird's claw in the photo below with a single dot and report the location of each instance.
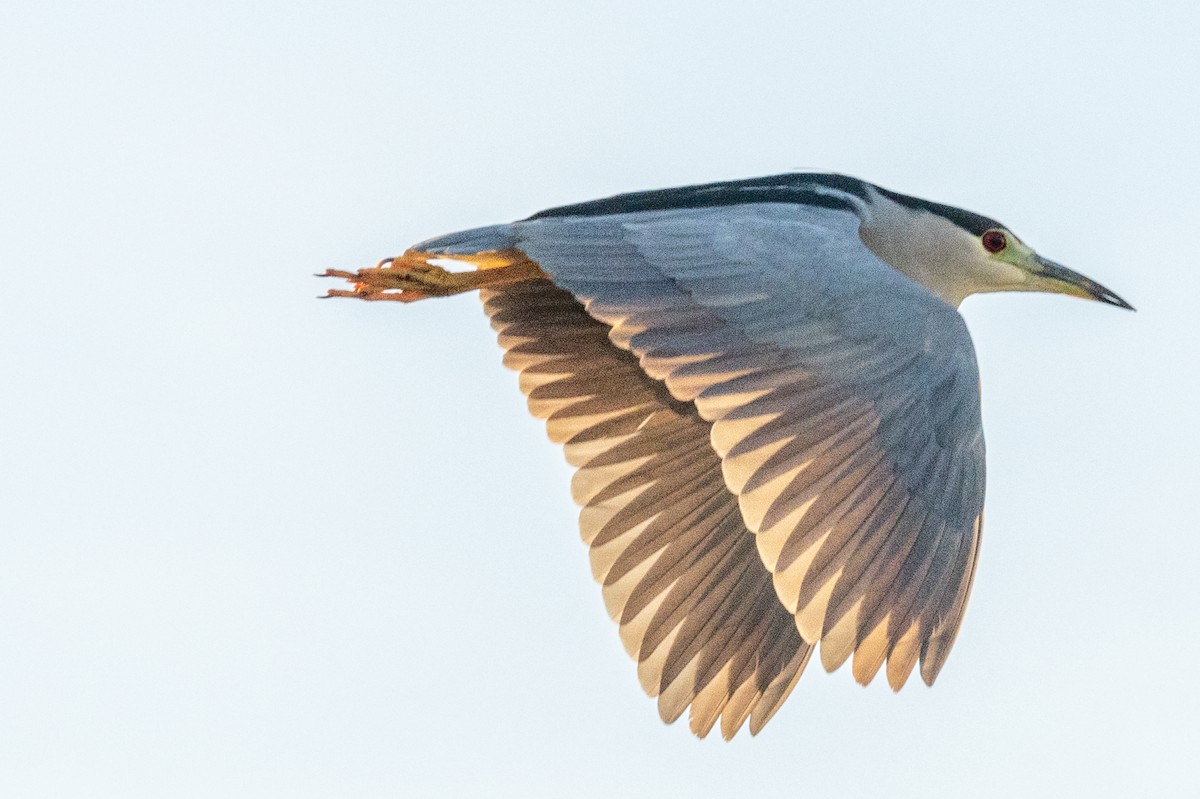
(410, 277)
(406, 278)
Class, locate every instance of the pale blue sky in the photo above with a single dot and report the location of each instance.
(252, 544)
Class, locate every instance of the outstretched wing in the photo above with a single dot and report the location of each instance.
(668, 544)
(843, 400)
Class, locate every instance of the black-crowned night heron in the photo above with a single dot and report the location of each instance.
(773, 408)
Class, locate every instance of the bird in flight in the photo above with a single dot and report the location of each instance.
(772, 406)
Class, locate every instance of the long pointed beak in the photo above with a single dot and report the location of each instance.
(1068, 281)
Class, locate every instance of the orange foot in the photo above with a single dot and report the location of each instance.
(403, 279)
(410, 277)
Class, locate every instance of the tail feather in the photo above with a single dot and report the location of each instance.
(465, 242)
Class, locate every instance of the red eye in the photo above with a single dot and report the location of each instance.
(994, 241)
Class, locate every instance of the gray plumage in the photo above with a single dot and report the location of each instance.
(773, 408)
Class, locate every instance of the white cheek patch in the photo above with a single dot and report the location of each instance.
(998, 275)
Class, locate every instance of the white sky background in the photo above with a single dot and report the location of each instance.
(253, 544)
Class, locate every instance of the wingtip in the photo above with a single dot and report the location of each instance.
(930, 669)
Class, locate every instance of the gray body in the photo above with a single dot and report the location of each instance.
(774, 409)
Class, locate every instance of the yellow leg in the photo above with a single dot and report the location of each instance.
(411, 277)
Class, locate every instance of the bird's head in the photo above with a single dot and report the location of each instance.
(954, 253)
